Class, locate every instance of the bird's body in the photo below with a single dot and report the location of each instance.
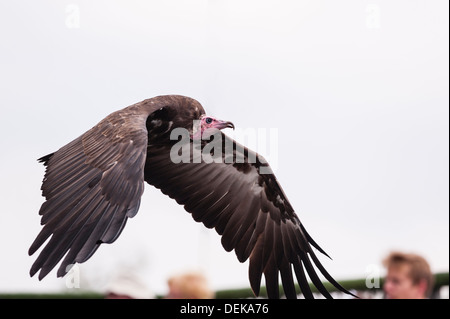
(94, 184)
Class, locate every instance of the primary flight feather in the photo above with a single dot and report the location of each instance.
(94, 184)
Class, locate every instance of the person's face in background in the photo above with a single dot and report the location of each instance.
(399, 285)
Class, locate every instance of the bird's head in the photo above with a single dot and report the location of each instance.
(208, 125)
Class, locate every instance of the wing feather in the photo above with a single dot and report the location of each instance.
(92, 186)
(301, 278)
(249, 210)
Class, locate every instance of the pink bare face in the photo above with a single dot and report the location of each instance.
(208, 124)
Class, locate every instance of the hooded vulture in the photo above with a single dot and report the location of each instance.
(94, 184)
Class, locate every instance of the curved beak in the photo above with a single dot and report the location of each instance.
(223, 124)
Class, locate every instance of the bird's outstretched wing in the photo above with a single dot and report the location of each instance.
(92, 185)
(249, 209)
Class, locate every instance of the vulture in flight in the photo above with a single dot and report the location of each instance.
(94, 184)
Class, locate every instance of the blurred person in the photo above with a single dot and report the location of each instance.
(192, 285)
(128, 286)
(408, 277)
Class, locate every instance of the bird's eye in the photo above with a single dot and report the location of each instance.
(208, 120)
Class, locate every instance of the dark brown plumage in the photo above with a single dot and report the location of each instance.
(94, 184)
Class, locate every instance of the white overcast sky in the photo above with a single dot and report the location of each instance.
(358, 92)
